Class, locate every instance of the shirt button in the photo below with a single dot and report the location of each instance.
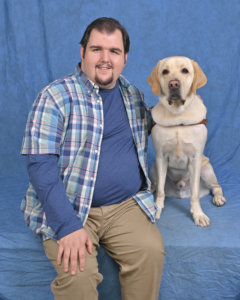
(91, 178)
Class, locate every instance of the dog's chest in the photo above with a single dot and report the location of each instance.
(179, 143)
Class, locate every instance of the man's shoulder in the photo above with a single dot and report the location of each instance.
(61, 83)
(131, 87)
(62, 92)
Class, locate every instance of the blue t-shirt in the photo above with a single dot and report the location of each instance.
(119, 174)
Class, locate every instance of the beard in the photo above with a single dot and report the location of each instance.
(103, 83)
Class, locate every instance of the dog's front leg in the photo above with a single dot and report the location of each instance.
(210, 179)
(200, 219)
(161, 168)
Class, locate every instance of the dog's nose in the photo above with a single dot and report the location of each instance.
(174, 84)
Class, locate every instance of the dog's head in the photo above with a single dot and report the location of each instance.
(175, 79)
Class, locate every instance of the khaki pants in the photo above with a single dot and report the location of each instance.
(131, 239)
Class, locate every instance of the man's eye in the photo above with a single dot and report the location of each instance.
(115, 52)
(95, 49)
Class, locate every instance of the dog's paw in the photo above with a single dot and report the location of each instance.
(158, 214)
(219, 200)
(201, 220)
(160, 205)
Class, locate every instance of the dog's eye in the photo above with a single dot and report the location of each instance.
(185, 71)
(165, 72)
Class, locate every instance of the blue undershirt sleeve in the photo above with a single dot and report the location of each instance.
(45, 178)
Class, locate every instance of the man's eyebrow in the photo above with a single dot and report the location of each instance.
(93, 47)
(111, 49)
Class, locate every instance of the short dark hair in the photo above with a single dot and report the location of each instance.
(109, 25)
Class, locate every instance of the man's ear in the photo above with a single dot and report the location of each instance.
(82, 52)
(153, 80)
(125, 58)
(199, 79)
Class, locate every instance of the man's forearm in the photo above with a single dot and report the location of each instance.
(44, 176)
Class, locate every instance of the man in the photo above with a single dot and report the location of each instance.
(85, 141)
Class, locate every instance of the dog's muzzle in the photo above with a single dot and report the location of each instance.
(175, 93)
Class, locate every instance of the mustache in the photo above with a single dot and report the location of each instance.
(106, 65)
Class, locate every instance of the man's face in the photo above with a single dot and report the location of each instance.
(104, 58)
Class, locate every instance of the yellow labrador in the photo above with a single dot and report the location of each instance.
(179, 136)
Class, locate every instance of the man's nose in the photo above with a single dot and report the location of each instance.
(105, 56)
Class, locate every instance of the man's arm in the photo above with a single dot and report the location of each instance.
(148, 112)
(150, 122)
(60, 215)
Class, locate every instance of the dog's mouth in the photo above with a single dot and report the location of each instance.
(175, 98)
(176, 101)
(175, 93)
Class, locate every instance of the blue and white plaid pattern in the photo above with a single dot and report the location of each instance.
(67, 119)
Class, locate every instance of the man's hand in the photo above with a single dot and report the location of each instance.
(72, 247)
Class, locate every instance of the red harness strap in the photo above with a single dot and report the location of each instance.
(204, 122)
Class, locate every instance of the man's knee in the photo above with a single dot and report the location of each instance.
(152, 248)
(79, 286)
(83, 283)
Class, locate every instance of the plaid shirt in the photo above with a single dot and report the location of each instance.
(67, 119)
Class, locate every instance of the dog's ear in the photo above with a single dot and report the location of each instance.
(199, 79)
(153, 80)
